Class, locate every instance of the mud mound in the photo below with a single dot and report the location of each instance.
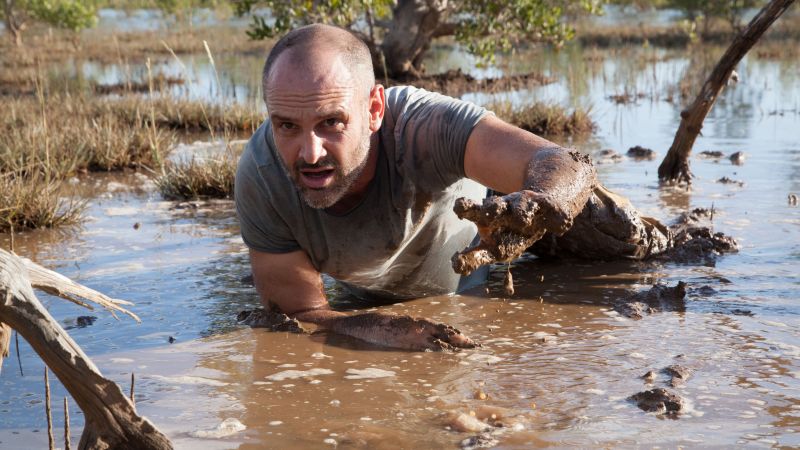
(657, 299)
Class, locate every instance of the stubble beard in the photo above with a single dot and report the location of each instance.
(343, 179)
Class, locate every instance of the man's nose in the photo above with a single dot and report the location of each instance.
(312, 150)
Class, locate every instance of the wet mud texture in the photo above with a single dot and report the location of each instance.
(272, 320)
(726, 180)
(641, 153)
(659, 401)
(737, 158)
(657, 299)
(711, 154)
(678, 374)
(508, 225)
(608, 228)
(694, 240)
(403, 331)
(608, 156)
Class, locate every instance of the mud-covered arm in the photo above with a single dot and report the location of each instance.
(548, 186)
(289, 283)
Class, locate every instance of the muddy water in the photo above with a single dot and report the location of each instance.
(555, 356)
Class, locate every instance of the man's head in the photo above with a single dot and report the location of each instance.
(324, 106)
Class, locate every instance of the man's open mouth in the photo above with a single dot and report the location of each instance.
(317, 178)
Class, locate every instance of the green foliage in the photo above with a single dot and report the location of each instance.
(289, 14)
(72, 15)
(730, 10)
(483, 27)
(490, 27)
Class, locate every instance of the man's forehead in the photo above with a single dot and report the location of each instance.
(312, 67)
(326, 101)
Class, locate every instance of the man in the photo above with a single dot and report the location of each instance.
(357, 181)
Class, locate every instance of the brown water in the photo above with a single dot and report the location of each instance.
(555, 354)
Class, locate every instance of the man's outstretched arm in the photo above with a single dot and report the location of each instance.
(547, 188)
(290, 282)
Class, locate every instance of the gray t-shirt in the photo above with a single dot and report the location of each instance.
(397, 243)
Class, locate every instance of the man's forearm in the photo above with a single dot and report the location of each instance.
(566, 178)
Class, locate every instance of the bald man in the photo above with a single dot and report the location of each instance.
(359, 182)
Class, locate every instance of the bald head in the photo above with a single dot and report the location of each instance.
(304, 48)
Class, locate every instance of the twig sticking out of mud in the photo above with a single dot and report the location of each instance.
(50, 438)
(67, 439)
(19, 360)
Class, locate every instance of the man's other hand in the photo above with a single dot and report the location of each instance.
(401, 331)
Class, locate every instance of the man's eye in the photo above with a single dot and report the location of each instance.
(332, 122)
(287, 126)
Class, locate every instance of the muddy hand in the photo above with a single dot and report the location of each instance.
(507, 226)
(423, 334)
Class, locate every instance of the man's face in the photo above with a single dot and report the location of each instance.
(321, 123)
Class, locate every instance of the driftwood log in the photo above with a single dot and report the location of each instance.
(111, 418)
(675, 166)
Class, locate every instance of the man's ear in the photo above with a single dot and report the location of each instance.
(377, 107)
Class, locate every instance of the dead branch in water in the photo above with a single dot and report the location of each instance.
(675, 166)
(111, 419)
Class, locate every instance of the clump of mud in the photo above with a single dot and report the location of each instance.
(711, 154)
(659, 401)
(726, 180)
(693, 240)
(657, 299)
(490, 422)
(272, 320)
(678, 374)
(641, 153)
(608, 156)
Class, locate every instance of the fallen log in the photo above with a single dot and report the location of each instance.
(675, 166)
(111, 418)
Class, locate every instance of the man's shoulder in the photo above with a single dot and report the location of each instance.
(256, 152)
(258, 164)
(406, 94)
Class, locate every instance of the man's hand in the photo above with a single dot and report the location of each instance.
(507, 226)
(400, 331)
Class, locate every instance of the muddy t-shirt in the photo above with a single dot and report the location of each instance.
(397, 243)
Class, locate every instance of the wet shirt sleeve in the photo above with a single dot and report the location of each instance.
(432, 132)
(262, 227)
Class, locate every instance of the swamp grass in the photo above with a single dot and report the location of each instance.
(63, 134)
(46, 139)
(33, 201)
(200, 178)
(545, 119)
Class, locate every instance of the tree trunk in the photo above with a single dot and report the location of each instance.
(111, 418)
(675, 166)
(14, 21)
(415, 23)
